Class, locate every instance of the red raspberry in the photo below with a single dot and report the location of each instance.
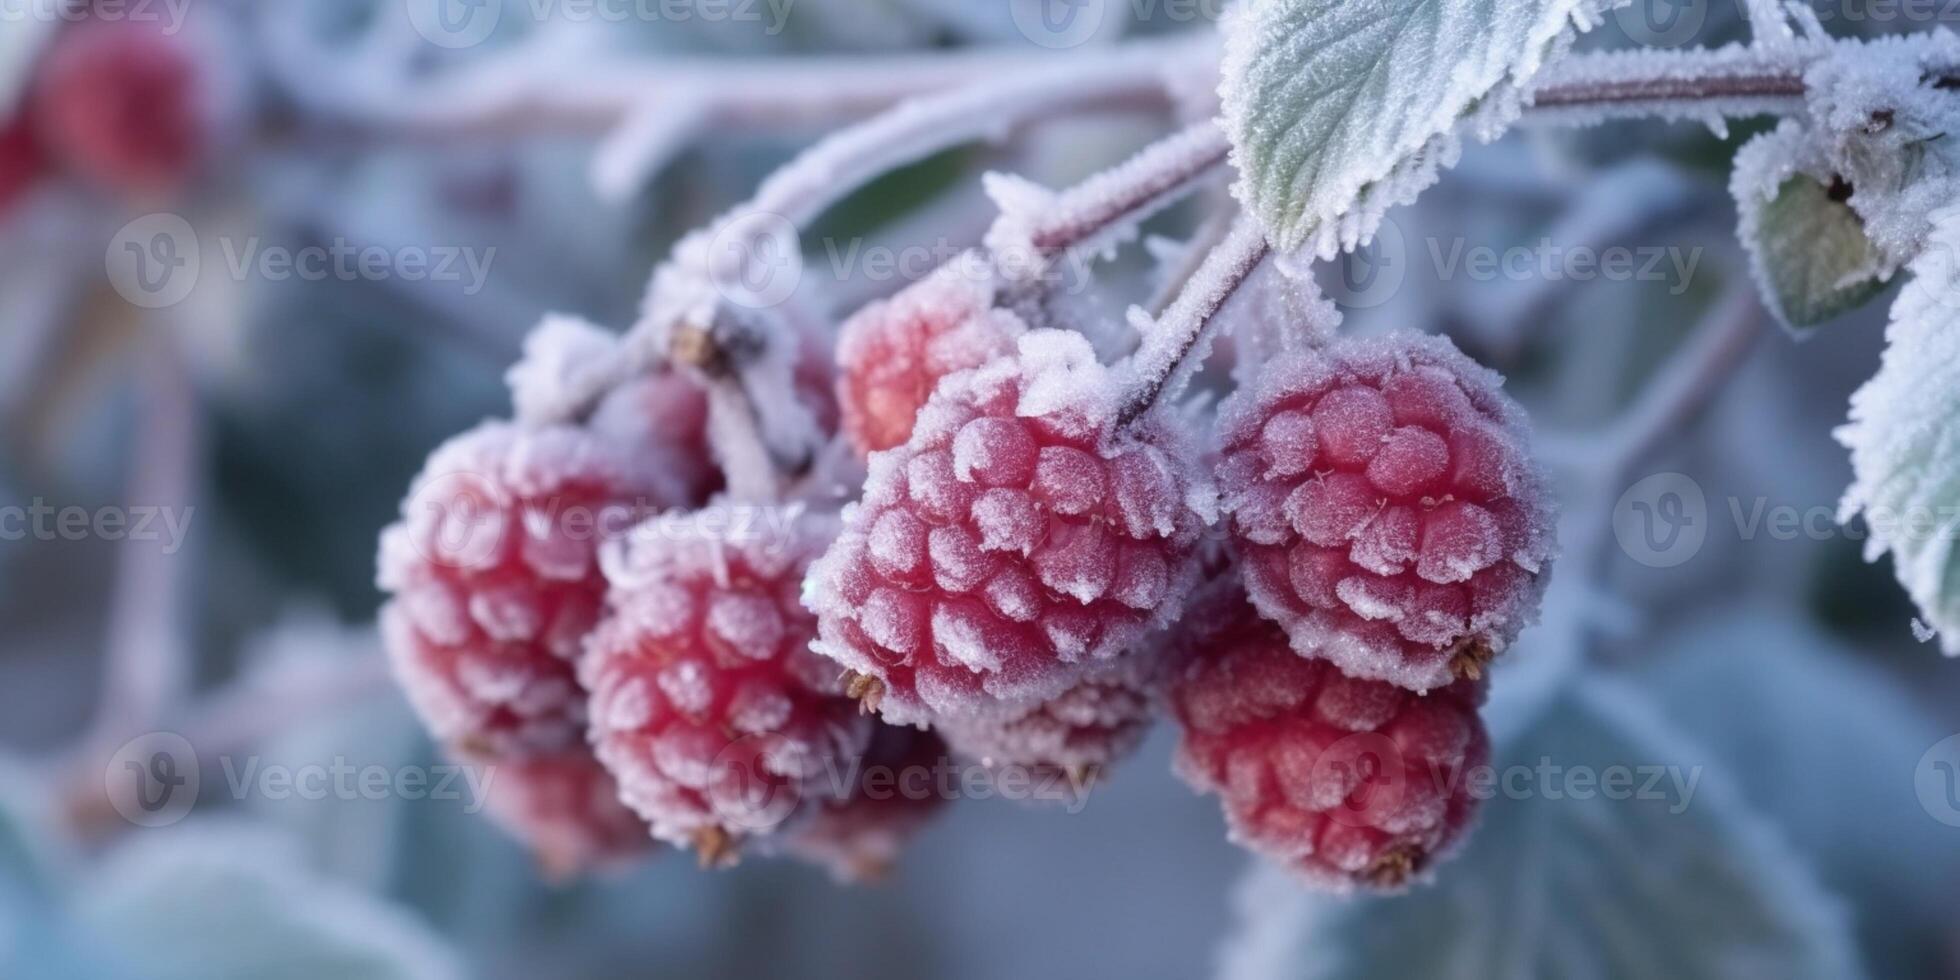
(125, 103)
(896, 791)
(1080, 732)
(707, 703)
(1347, 782)
(892, 353)
(1016, 539)
(1386, 507)
(21, 160)
(496, 581)
(566, 808)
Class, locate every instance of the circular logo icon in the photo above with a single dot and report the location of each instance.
(1661, 521)
(748, 788)
(458, 520)
(1662, 23)
(153, 262)
(152, 779)
(455, 23)
(1937, 781)
(756, 260)
(1059, 24)
(1363, 759)
(1371, 274)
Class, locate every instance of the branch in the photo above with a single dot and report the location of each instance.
(1171, 341)
(1697, 83)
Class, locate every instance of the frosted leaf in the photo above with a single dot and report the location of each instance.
(1329, 103)
(1692, 862)
(1807, 247)
(1905, 447)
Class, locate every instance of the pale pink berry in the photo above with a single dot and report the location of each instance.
(1386, 507)
(708, 705)
(1015, 540)
(495, 581)
(897, 790)
(125, 103)
(1348, 783)
(1080, 733)
(22, 160)
(666, 410)
(892, 353)
(566, 809)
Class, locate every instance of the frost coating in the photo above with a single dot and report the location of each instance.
(1386, 508)
(707, 704)
(859, 836)
(1905, 451)
(1347, 783)
(1807, 247)
(1014, 540)
(566, 809)
(495, 582)
(1081, 732)
(892, 353)
(1338, 111)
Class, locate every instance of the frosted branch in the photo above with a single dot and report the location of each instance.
(1695, 83)
(1684, 385)
(1171, 341)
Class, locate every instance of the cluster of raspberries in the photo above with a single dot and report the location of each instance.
(1026, 580)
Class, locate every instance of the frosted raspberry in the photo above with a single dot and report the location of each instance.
(897, 790)
(496, 582)
(21, 160)
(1079, 733)
(125, 103)
(1387, 509)
(1349, 783)
(566, 809)
(1016, 539)
(707, 703)
(892, 353)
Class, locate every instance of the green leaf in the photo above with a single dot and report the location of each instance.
(1905, 445)
(1809, 252)
(1327, 99)
(1672, 880)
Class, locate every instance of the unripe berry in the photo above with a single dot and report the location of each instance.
(892, 353)
(860, 837)
(1015, 540)
(1348, 783)
(496, 582)
(1387, 508)
(566, 809)
(127, 104)
(707, 704)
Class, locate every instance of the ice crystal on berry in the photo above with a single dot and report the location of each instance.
(892, 353)
(707, 704)
(1349, 783)
(1389, 515)
(1016, 539)
(1081, 732)
(495, 581)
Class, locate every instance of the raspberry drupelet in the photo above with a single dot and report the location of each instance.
(892, 353)
(1018, 538)
(1386, 508)
(708, 706)
(1348, 783)
(495, 581)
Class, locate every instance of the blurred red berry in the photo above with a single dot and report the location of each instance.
(707, 703)
(125, 103)
(22, 161)
(566, 809)
(1079, 733)
(892, 353)
(1349, 783)
(1387, 508)
(897, 790)
(1015, 540)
